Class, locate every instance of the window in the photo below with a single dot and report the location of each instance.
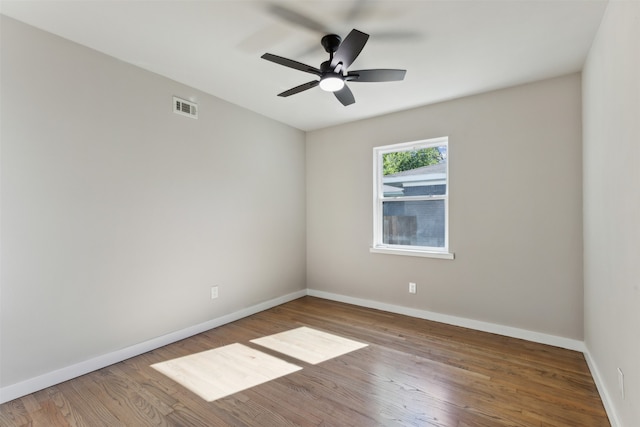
(411, 190)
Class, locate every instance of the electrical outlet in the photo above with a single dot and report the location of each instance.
(621, 382)
(412, 288)
(214, 292)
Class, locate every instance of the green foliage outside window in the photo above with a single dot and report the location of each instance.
(406, 160)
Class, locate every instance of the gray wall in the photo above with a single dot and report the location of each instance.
(118, 215)
(611, 87)
(515, 209)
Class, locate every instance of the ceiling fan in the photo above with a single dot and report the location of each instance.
(359, 10)
(333, 73)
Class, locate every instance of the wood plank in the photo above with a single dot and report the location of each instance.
(412, 372)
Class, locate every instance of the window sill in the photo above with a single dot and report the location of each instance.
(410, 252)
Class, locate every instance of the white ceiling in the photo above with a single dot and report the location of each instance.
(449, 48)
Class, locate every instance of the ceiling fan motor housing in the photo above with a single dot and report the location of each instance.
(330, 42)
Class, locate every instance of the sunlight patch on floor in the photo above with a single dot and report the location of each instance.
(309, 345)
(220, 372)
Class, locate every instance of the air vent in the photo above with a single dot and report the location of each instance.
(185, 108)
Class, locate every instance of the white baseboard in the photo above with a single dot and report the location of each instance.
(607, 401)
(493, 328)
(49, 379)
(538, 337)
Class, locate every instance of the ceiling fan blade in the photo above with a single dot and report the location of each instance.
(349, 49)
(356, 10)
(297, 18)
(292, 64)
(345, 96)
(379, 75)
(300, 88)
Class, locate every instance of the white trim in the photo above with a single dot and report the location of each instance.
(379, 198)
(49, 379)
(413, 198)
(554, 340)
(607, 401)
(411, 252)
(415, 145)
(431, 178)
(493, 328)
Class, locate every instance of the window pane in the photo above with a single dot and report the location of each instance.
(397, 162)
(414, 223)
(411, 188)
(415, 173)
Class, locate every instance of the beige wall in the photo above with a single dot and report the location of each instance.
(611, 88)
(118, 215)
(515, 210)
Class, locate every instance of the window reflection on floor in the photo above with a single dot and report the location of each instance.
(309, 345)
(217, 373)
(222, 371)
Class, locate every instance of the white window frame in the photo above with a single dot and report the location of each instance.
(378, 198)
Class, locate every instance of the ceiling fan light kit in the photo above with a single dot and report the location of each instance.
(333, 73)
(331, 83)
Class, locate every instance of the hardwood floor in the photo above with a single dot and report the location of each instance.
(412, 373)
